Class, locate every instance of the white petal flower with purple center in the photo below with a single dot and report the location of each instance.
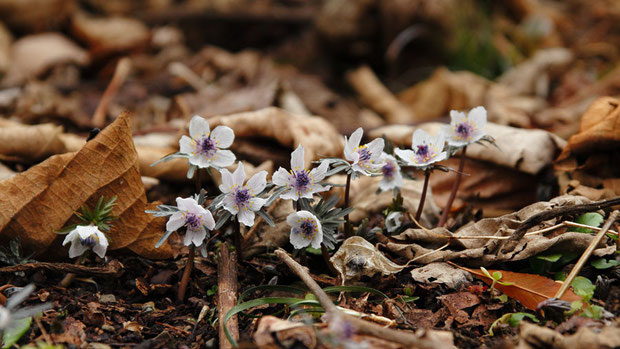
(85, 237)
(426, 150)
(206, 148)
(195, 218)
(305, 230)
(241, 199)
(466, 129)
(299, 182)
(365, 159)
(392, 178)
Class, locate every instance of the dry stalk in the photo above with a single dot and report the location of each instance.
(227, 294)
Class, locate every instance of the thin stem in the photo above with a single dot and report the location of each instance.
(586, 254)
(68, 279)
(455, 188)
(238, 240)
(418, 214)
(347, 224)
(297, 205)
(326, 257)
(198, 180)
(189, 265)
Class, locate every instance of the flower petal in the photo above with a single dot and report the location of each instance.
(207, 219)
(223, 136)
(457, 117)
(238, 177)
(198, 127)
(223, 158)
(281, 177)
(175, 222)
(246, 217)
(356, 138)
(478, 116)
(297, 239)
(318, 237)
(187, 204)
(229, 204)
(293, 219)
(420, 137)
(405, 154)
(255, 204)
(376, 147)
(76, 249)
(297, 158)
(290, 195)
(227, 181)
(198, 160)
(257, 183)
(70, 237)
(318, 173)
(187, 145)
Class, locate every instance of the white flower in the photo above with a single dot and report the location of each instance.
(84, 237)
(305, 229)
(195, 218)
(366, 158)
(206, 148)
(11, 314)
(464, 130)
(393, 221)
(392, 178)
(426, 149)
(241, 199)
(300, 182)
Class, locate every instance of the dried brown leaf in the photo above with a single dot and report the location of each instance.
(110, 34)
(28, 143)
(43, 199)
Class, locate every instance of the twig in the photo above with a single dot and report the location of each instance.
(227, 294)
(123, 67)
(553, 213)
(401, 337)
(238, 240)
(586, 254)
(455, 189)
(113, 268)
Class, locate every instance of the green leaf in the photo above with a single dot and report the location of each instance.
(592, 219)
(602, 263)
(515, 318)
(15, 332)
(583, 287)
(551, 257)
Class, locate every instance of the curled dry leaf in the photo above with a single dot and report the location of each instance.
(441, 273)
(5, 172)
(29, 143)
(35, 54)
(43, 199)
(110, 34)
(483, 251)
(357, 257)
(318, 136)
(378, 97)
(529, 289)
(591, 155)
(5, 48)
(272, 331)
(363, 197)
(532, 336)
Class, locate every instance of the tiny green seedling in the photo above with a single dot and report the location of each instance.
(511, 319)
(496, 277)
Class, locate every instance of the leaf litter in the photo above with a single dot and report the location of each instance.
(551, 100)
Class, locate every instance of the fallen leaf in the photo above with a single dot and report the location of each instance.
(591, 156)
(357, 257)
(29, 143)
(110, 34)
(274, 331)
(585, 337)
(441, 273)
(43, 199)
(35, 54)
(318, 137)
(529, 289)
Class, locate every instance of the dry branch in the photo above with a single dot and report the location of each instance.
(227, 294)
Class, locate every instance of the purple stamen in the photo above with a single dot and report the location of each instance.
(301, 179)
(90, 241)
(388, 169)
(242, 196)
(206, 146)
(464, 130)
(307, 230)
(422, 150)
(364, 154)
(192, 221)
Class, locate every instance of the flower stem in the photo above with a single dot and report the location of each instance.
(297, 205)
(198, 180)
(418, 214)
(455, 188)
(68, 279)
(347, 224)
(326, 256)
(189, 265)
(238, 240)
